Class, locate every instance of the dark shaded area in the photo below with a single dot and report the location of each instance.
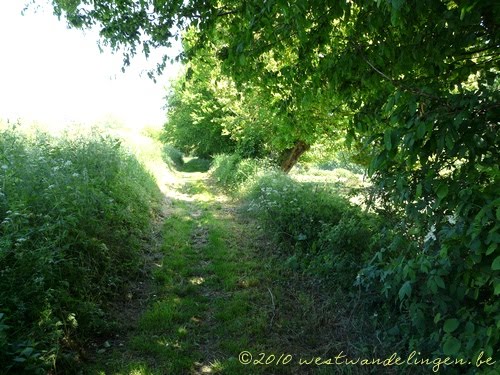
(195, 165)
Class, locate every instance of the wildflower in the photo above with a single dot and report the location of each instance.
(75, 174)
(4, 167)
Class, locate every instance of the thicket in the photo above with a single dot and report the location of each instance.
(232, 171)
(315, 224)
(73, 215)
(320, 232)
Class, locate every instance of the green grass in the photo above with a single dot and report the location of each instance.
(222, 288)
(191, 284)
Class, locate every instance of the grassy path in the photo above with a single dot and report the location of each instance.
(217, 291)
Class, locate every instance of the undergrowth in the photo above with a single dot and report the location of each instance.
(73, 213)
(400, 271)
(232, 172)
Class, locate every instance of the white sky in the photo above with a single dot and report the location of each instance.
(55, 75)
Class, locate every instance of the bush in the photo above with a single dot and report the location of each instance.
(72, 215)
(231, 171)
(322, 231)
(173, 157)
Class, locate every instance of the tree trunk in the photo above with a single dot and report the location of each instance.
(290, 156)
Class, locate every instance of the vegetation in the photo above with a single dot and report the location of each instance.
(73, 215)
(407, 90)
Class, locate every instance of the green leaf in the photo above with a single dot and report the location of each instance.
(451, 346)
(440, 282)
(27, 351)
(442, 191)
(387, 139)
(449, 141)
(405, 290)
(421, 130)
(419, 190)
(491, 249)
(497, 288)
(496, 264)
(451, 325)
(437, 318)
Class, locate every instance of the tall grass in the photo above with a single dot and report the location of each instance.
(73, 211)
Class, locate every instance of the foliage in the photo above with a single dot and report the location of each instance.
(232, 172)
(194, 118)
(323, 232)
(327, 158)
(172, 157)
(415, 85)
(208, 114)
(73, 212)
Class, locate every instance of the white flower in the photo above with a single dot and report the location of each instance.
(4, 167)
(452, 219)
(430, 235)
(75, 174)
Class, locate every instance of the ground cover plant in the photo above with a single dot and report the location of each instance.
(73, 213)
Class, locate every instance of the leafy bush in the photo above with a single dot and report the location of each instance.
(173, 157)
(72, 215)
(324, 231)
(231, 171)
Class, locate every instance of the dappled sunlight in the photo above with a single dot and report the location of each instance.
(197, 280)
(141, 370)
(210, 368)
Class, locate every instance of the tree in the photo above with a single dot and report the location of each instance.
(259, 120)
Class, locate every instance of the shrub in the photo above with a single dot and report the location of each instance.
(172, 157)
(72, 215)
(323, 232)
(231, 171)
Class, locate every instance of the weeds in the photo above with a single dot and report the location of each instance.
(73, 212)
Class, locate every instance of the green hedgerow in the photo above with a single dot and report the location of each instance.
(232, 172)
(72, 213)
